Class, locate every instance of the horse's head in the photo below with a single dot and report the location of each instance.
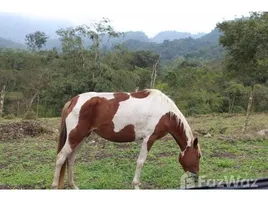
(190, 157)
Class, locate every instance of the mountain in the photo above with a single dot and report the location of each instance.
(4, 43)
(135, 35)
(15, 27)
(135, 38)
(169, 44)
(205, 47)
(174, 35)
(213, 36)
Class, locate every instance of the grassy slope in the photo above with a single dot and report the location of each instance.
(29, 163)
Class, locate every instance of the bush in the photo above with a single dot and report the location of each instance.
(9, 116)
(30, 115)
(238, 109)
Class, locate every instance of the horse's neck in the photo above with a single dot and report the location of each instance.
(178, 131)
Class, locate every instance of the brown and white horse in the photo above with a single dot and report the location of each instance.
(145, 115)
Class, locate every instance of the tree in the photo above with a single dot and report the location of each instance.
(35, 41)
(2, 98)
(154, 73)
(233, 90)
(74, 44)
(144, 58)
(246, 42)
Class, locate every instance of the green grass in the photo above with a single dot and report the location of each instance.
(29, 162)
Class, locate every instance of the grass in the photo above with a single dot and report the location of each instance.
(29, 162)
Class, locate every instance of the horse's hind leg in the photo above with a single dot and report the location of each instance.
(61, 158)
(70, 164)
(71, 160)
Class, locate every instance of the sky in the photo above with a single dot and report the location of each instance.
(148, 16)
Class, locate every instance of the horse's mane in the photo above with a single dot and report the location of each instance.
(174, 111)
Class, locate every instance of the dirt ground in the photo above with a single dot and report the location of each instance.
(15, 130)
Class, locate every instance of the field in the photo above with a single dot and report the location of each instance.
(28, 161)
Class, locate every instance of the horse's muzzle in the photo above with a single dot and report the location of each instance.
(193, 176)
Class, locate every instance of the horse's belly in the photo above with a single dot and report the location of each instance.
(127, 134)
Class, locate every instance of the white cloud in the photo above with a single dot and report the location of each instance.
(139, 15)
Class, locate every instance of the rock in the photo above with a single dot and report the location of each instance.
(55, 130)
(263, 132)
(208, 135)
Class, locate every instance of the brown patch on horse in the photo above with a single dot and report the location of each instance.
(127, 134)
(121, 96)
(73, 102)
(140, 94)
(168, 124)
(96, 115)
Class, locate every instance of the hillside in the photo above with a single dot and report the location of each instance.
(174, 35)
(170, 44)
(4, 43)
(14, 26)
(205, 47)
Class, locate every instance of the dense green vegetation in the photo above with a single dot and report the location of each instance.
(193, 72)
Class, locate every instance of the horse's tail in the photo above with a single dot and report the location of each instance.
(62, 140)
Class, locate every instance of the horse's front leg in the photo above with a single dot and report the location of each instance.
(140, 161)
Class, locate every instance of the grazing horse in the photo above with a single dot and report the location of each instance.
(146, 115)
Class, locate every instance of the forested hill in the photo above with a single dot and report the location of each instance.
(174, 35)
(205, 47)
(14, 27)
(4, 43)
(169, 44)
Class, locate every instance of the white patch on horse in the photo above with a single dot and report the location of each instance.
(167, 102)
(182, 153)
(148, 111)
(171, 106)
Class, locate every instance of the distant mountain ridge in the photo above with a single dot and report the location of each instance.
(4, 43)
(205, 47)
(14, 27)
(174, 35)
(169, 44)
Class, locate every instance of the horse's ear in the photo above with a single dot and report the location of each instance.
(195, 142)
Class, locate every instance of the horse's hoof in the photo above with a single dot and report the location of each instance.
(74, 187)
(137, 187)
(53, 186)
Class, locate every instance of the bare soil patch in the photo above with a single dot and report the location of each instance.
(16, 130)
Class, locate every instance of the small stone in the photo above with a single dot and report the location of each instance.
(263, 132)
(56, 130)
(91, 142)
(208, 135)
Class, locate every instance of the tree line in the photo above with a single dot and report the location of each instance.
(40, 81)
